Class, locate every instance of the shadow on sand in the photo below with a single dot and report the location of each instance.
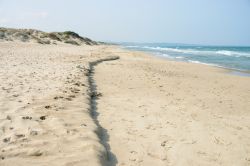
(103, 135)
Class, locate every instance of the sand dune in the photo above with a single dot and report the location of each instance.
(32, 35)
(81, 105)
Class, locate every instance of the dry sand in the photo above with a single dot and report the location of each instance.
(61, 105)
(45, 107)
(159, 112)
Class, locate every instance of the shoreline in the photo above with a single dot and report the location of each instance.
(138, 110)
(233, 71)
(172, 113)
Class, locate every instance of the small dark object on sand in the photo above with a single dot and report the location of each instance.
(43, 117)
(6, 140)
(95, 95)
(47, 107)
(27, 117)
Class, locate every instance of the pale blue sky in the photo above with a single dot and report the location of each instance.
(214, 22)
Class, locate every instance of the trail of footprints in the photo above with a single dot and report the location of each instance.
(34, 116)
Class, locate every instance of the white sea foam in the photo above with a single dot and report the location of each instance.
(233, 53)
(196, 62)
(201, 52)
(224, 52)
(179, 57)
(209, 64)
(212, 56)
(132, 46)
(164, 55)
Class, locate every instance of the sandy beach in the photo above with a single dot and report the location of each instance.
(103, 105)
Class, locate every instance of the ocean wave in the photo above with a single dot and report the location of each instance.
(220, 66)
(163, 49)
(233, 53)
(200, 52)
(179, 57)
(224, 52)
(213, 56)
(132, 46)
(209, 64)
(164, 55)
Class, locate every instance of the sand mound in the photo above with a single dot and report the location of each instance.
(32, 35)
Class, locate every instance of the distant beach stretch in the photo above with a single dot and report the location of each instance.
(237, 58)
(68, 100)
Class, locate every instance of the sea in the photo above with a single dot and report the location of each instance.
(230, 57)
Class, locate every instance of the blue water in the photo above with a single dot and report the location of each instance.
(227, 57)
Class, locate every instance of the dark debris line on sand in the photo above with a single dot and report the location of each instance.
(102, 133)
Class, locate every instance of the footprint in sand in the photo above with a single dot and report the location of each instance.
(6, 140)
(47, 107)
(27, 117)
(58, 97)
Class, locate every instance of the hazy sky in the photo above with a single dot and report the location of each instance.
(223, 22)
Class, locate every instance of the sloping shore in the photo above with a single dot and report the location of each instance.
(160, 112)
(70, 105)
